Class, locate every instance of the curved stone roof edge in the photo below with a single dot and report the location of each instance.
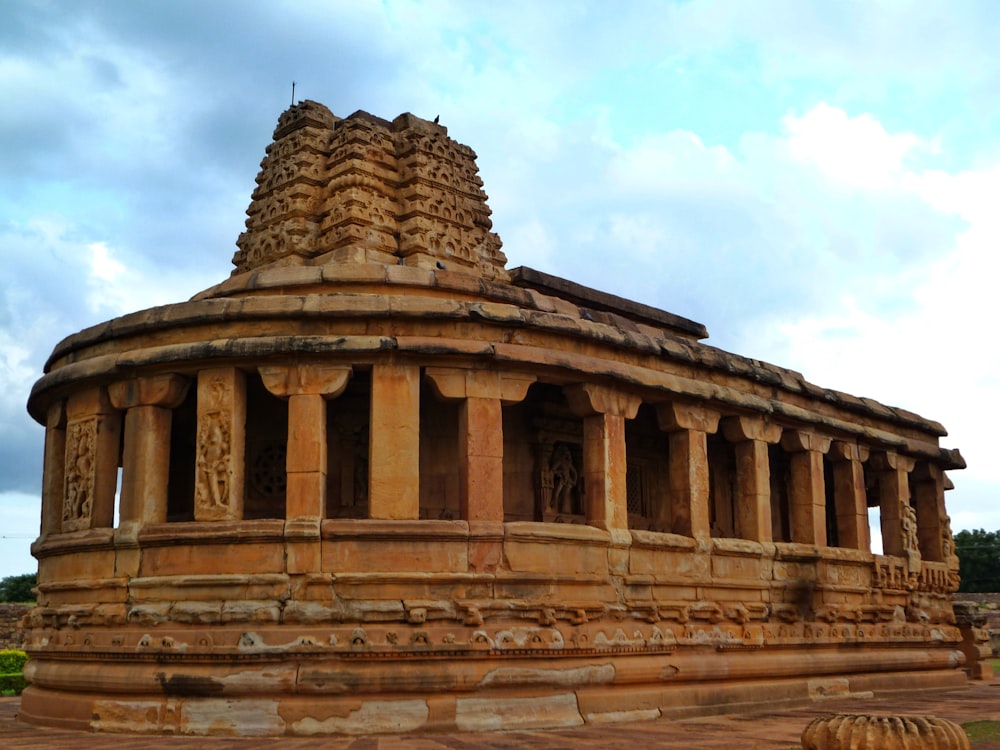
(505, 304)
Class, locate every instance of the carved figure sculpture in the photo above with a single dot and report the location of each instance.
(564, 480)
(79, 497)
(213, 462)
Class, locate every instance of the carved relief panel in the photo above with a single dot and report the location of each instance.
(81, 467)
(219, 464)
(92, 452)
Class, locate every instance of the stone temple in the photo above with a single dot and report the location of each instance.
(375, 481)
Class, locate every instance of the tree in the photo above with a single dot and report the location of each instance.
(979, 560)
(17, 588)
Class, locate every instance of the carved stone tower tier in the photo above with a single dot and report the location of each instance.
(365, 190)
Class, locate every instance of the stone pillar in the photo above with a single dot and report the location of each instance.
(899, 532)
(604, 412)
(394, 443)
(808, 488)
(93, 440)
(221, 445)
(751, 436)
(849, 494)
(928, 499)
(147, 403)
(306, 387)
(482, 393)
(54, 473)
(688, 427)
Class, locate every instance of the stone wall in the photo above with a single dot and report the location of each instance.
(979, 598)
(11, 633)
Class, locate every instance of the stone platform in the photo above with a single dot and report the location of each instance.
(777, 730)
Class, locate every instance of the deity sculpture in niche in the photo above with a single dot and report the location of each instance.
(564, 480)
(560, 485)
(80, 461)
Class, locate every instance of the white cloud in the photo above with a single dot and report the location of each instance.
(102, 265)
(854, 151)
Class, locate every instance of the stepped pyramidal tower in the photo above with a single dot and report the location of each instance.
(364, 190)
(375, 481)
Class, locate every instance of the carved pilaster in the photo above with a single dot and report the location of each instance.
(93, 439)
(898, 518)
(394, 447)
(147, 403)
(54, 474)
(807, 490)
(751, 436)
(221, 445)
(688, 428)
(849, 495)
(482, 393)
(604, 411)
(307, 388)
(928, 502)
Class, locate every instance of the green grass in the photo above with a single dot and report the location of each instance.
(981, 731)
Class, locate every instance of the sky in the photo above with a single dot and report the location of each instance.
(816, 182)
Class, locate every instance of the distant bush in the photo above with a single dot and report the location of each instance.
(18, 588)
(12, 680)
(979, 560)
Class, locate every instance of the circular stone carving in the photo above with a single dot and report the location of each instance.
(268, 472)
(864, 732)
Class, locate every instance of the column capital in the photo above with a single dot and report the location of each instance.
(925, 471)
(88, 403)
(167, 391)
(891, 461)
(283, 381)
(455, 383)
(674, 417)
(842, 450)
(55, 417)
(588, 399)
(742, 428)
(795, 441)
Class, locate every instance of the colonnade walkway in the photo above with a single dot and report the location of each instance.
(772, 730)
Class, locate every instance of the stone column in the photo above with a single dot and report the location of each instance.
(808, 488)
(54, 473)
(751, 436)
(307, 388)
(849, 494)
(688, 427)
(93, 440)
(899, 533)
(147, 403)
(604, 412)
(221, 445)
(394, 443)
(482, 393)
(928, 498)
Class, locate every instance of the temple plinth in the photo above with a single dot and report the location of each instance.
(377, 482)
